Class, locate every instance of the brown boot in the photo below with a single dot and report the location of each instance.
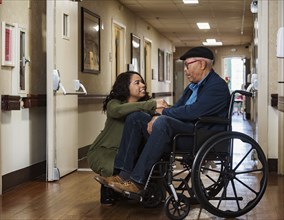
(126, 186)
(110, 179)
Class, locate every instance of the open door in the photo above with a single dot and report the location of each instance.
(62, 110)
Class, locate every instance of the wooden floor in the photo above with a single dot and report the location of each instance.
(76, 196)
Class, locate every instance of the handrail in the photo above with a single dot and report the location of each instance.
(84, 92)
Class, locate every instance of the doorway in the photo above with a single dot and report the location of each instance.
(234, 72)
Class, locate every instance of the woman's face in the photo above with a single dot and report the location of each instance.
(137, 88)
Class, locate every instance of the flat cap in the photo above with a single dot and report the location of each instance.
(198, 52)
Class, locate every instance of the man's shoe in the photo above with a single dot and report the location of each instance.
(107, 180)
(127, 186)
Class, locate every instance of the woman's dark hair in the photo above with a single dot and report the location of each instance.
(120, 89)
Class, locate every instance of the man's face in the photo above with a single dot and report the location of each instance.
(193, 69)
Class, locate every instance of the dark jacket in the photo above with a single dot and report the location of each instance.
(213, 98)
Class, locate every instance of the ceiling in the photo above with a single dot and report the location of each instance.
(231, 21)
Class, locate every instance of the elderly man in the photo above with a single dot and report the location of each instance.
(206, 95)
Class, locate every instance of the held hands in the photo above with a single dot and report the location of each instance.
(161, 103)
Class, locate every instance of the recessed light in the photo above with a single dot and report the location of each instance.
(203, 25)
(190, 1)
(212, 42)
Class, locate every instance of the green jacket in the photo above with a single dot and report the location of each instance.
(102, 151)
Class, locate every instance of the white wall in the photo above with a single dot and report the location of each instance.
(22, 131)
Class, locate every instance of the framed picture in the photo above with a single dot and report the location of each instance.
(167, 66)
(8, 44)
(90, 45)
(135, 52)
(161, 65)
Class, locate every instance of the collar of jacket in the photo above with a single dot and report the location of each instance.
(205, 80)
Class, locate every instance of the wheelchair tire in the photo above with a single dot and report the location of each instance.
(177, 210)
(238, 179)
(154, 195)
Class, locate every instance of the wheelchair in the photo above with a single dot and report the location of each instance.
(226, 172)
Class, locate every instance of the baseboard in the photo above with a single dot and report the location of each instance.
(272, 165)
(18, 177)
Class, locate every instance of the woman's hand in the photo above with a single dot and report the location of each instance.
(150, 124)
(161, 103)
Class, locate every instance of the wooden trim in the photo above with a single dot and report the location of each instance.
(10, 102)
(82, 152)
(162, 94)
(33, 100)
(91, 98)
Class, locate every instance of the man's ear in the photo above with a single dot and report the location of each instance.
(203, 64)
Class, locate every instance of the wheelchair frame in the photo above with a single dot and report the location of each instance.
(218, 167)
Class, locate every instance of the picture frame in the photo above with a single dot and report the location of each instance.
(135, 53)
(90, 42)
(161, 65)
(8, 44)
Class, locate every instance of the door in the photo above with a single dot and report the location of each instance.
(62, 110)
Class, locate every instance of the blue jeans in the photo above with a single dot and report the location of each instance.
(136, 159)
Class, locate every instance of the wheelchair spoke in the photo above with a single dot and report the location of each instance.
(241, 182)
(249, 171)
(242, 160)
(235, 194)
(208, 169)
(224, 193)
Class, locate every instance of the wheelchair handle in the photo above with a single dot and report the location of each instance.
(242, 92)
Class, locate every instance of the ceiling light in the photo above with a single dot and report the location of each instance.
(212, 42)
(190, 1)
(203, 25)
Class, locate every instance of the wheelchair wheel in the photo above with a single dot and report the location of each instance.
(154, 195)
(234, 181)
(177, 210)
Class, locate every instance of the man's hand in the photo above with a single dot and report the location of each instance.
(150, 124)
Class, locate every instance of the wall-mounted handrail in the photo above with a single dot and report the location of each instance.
(77, 85)
(77, 92)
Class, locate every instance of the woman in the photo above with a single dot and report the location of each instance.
(128, 95)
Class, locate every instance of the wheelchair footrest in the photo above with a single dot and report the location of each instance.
(133, 196)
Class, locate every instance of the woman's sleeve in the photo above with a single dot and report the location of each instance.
(117, 109)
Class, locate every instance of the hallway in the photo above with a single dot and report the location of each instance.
(76, 196)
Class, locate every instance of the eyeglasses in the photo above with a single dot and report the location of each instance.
(188, 63)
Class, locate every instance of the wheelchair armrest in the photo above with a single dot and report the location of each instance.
(212, 120)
